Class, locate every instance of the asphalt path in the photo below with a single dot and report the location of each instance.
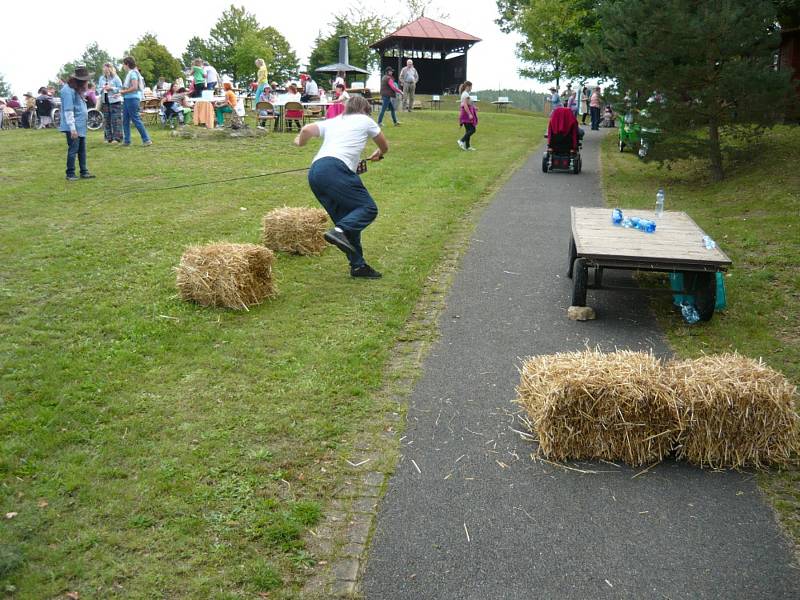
(469, 515)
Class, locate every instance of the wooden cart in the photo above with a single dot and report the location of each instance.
(675, 247)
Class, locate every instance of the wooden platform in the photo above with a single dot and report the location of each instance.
(677, 243)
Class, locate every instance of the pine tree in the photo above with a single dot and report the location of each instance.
(708, 62)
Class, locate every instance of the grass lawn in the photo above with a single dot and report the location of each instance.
(152, 448)
(754, 215)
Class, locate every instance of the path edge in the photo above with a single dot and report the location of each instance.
(345, 534)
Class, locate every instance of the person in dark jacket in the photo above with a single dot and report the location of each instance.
(389, 90)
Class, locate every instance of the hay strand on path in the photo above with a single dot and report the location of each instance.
(591, 405)
(226, 275)
(738, 412)
(297, 230)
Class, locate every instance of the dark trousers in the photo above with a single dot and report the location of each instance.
(595, 112)
(76, 147)
(344, 197)
(386, 102)
(470, 129)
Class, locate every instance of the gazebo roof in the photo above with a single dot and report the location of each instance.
(428, 29)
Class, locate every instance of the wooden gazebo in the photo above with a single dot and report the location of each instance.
(439, 53)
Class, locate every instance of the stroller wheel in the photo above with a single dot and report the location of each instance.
(621, 146)
(545, 160)
(577, 165)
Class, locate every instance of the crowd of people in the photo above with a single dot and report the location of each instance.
(584, 102)
(334, 173)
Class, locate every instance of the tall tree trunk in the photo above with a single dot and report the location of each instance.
(715, 152)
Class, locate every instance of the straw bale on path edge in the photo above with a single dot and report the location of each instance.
(737, 412)
(595, 405)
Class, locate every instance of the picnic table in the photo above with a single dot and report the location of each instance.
(501, 104)
(675, 247)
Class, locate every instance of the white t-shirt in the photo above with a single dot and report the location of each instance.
(211, 74)
(345, 137)
(464, 96)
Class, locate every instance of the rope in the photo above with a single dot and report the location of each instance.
(188, 185)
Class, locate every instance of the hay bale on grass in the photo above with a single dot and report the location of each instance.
(297, 230)
(226, 275)
(593, 405)
(737, 412)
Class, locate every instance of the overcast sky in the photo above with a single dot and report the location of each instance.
(57, 32)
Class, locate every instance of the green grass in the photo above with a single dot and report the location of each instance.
(153, 448)
(754, 215)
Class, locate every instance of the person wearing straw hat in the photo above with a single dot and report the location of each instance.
(333, 178)
(73, 122)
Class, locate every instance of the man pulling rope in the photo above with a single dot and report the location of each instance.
(334, 180)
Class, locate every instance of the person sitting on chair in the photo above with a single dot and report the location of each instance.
(293, 116)
(226, 106)
(44, 108)
(562, 131)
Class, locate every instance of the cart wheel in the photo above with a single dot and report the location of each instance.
(544, 163)
(94, 119)
(580, 277)
(573, 254)
(703, 286)
(621, 145)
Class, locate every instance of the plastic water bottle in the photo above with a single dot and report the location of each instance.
(689, 312)
(709, 243)
(646, 225)
(616, 216)
(660, 202)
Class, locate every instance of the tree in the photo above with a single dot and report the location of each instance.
(788, 13)
(154, 60)
(5, 88)
(236, 27)
(196, 48)
(710, 62)
(362, 29)
(417, 8)
(553, 32)
(93, 58)
(237, 39)
(283, 63)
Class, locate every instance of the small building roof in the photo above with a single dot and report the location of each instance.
(425, 28)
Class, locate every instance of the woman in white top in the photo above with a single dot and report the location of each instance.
(334, 180)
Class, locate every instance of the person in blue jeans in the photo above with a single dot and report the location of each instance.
(389, 91)
(333, 177)
(73, 122)
(131, 96)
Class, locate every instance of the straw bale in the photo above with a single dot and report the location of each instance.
(226, 275)
(297, 230)
(595, 405)
(738, 412)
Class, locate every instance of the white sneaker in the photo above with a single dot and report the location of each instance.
(471, 149)
(462, 145)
